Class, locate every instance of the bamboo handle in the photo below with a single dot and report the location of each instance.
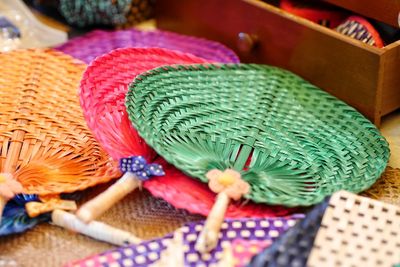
(101, 203)
(209, 236)
(3, 203)
(96, 230)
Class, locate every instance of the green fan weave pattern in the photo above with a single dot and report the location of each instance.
(294, 143)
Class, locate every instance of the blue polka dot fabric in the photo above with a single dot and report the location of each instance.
(139, 166)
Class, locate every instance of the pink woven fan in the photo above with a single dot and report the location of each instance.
(102, 94)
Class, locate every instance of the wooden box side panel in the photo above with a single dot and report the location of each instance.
(347, 69)
(390, 78)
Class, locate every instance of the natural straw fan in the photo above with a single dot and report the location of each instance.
(44, 142)
(102, 93)
(255, 131)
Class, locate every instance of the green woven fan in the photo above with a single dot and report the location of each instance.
(291, 142)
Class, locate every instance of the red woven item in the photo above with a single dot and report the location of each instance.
(192, 195)
(315, 11)
(102, 95)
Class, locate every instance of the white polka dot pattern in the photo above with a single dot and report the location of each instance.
(148, 252)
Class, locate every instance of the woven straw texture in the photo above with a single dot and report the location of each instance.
(192, 195)
(48, 245)
(387, 188)
(304, 144)
(102, 94)
(293, 247)
(97, 43)
(44, 141)
(357, 231)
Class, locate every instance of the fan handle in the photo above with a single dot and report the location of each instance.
(223, 183)
(104, 201)
(209, 236)
(94, 229)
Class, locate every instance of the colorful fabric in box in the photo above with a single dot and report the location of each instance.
(84, 13)
(148, 252)
(316, 11)
(360, 29)
(97, 43)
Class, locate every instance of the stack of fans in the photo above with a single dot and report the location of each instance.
(252, 147)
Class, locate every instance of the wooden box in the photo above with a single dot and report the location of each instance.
(366, 77)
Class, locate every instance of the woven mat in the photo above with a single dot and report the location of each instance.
(48, 245)
(390, 129)
(357, 231)
(387, 188)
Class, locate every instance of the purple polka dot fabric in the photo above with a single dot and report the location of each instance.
(99, 42)
(148, 252)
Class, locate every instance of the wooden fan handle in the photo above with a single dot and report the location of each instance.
(104, 201)
(3, 203)
(209, 236)
(94, 229)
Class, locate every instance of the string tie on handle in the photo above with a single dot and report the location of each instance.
(48, 204)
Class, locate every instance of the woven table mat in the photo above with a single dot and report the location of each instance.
(48, 245)
(357, 231)
(390, 129)
(387, 188)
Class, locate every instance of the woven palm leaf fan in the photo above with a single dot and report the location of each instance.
(102, 93)
(45, 146)
(97, 43)
(255, 131)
